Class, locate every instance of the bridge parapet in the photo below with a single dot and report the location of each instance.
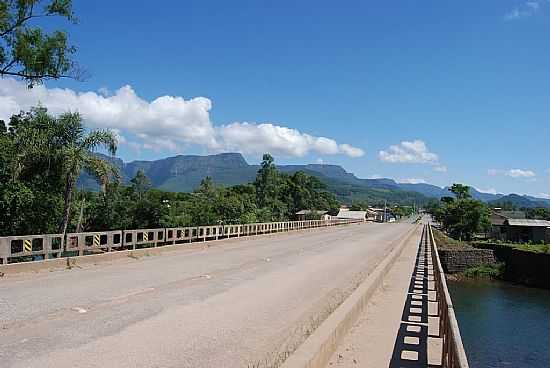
(55, 245)
(453, 353)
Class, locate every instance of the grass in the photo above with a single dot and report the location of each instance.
(526, 247)
(486, 271)
(534, 248)
(446, 242)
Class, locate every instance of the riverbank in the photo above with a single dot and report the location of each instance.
(525, 264)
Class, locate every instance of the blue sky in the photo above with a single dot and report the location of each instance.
(434, 91)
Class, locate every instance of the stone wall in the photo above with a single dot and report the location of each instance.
(458, 260)
(528, 268)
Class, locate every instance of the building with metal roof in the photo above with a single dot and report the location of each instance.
(312, 214)
(527, 230)
(356, 215)
(527, 222)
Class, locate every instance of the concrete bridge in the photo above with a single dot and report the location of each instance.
(290, 295)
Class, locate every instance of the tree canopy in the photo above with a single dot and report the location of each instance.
(462, 217)
(43, 157)
(26, 50)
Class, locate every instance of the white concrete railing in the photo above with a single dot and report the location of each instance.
(453, 353)
(55, 245)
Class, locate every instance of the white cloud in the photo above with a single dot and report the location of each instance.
(411, 152)
(544, 195)
(350, 150)
(167, 122)
(519, 173)
(513, 173)
(257, 138)
(525, 10)
(488, 190)
(375, 176)
(413, 181)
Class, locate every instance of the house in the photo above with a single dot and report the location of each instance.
(354, 215)
(527, 230)
(374, 216)
(498, 218)
(378, 214)
(312, 214)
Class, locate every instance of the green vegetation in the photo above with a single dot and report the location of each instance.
(485, 271)
(364, 193)
(443, 241)
(42, 157)
(538, 213)
(527, 247)
(26, 50)
(461, 217)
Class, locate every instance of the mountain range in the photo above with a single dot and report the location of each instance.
(183, 173)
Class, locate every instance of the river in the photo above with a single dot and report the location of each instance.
(503, 325)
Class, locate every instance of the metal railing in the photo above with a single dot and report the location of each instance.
(17, 248)
(453, 353)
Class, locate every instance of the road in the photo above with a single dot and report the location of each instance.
(237, 303)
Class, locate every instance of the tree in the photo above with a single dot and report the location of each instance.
(77, 148)
(26, 50)
(267, 181)
(465, 217)
(269, 186)
(140, 183)
(460, 191)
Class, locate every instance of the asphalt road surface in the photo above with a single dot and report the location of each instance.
(237, 303)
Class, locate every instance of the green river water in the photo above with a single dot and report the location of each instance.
(503, 325)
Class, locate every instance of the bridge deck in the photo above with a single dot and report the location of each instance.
(237, 303)
(399, 327)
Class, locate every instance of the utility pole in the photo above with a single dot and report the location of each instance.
(385, 217)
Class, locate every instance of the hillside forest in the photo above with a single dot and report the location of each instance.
(43, 156)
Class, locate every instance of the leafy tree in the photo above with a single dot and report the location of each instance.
(140, 183)
(267, 181)
(26, 50)
(460, 191)
(539, 213)
(359, 206)
(462, 217)
(269, 188)
(465, 217)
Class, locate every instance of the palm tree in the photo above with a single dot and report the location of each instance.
(78, 148)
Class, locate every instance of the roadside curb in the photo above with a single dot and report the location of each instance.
(59, 264)
(318, 348)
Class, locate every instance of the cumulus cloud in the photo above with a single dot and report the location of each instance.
(519, 173)
(412, 181)
(167, 122)
(513, 173)
(488, 190)
(524, 10)
(411, 152)
(267, 137)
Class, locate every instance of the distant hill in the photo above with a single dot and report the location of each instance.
(520, 201)
(184, 173)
